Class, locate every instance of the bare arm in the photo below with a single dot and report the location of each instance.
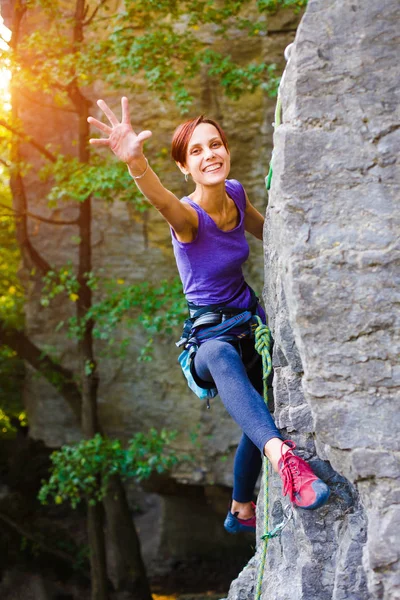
(253, 220)
(128, 147)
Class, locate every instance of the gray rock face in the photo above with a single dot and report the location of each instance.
(332, 256)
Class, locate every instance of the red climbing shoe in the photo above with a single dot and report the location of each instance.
(305, 489)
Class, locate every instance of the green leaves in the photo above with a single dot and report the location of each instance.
(235, 80)
(274, 5)
(164, 40)
(103, 179)
(158, 309)
(58, 282)
(170, 59)
(83, 471)
(11, 291)
(12, 373)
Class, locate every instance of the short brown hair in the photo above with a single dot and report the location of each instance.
(183, 133)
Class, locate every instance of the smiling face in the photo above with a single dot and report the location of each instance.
(207, 159)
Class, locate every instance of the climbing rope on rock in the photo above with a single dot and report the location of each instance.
(262, 344)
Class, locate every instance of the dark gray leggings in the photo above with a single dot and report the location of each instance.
(220, 362)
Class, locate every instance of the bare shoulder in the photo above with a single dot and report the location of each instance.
(183, 219)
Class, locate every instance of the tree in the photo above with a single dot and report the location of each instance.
(77, 44)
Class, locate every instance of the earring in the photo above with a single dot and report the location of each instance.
(186, 176)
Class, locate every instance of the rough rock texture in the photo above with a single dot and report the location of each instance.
(332, 256)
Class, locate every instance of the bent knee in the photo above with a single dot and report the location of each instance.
(217, 351)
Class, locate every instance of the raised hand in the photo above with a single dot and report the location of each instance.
(122, 140)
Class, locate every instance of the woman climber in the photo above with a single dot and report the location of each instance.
(208, 235)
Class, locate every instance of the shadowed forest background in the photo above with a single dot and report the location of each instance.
(90, 304)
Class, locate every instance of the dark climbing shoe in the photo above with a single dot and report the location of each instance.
(304, 488)
(233, 524)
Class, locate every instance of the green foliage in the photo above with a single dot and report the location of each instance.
(11, 312)
(274, 5)
(158, 309)
(83, 471)
(160, 40)
(11, 380)
(236, 80)
(272, 84)
(57, 282)
(11, 291)
(6, 427)
(170, 60)
(102, 178)
(30, 547)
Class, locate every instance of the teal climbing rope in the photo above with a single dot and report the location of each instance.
(262, 345)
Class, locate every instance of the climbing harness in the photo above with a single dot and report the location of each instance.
(221, 331)
(210, 323)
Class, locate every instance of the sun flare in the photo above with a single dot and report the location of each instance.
(5, 74)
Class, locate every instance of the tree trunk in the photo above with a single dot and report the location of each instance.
(130, 574)
(98, 569)
(90, 381)
(88, 367)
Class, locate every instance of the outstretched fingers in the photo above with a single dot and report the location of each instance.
(99, 142)
(102, 126)
(126, 119)
(108, 112)
(121, 138)
(144, 135)
(125, 110)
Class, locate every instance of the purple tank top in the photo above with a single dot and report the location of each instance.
(210, 266)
